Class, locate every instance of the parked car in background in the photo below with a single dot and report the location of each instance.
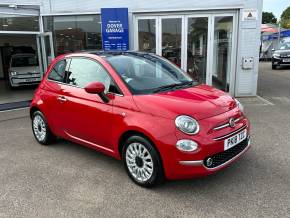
(281, 56)
(24, 70)
(142, 109)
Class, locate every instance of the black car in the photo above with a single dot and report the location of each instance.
(281, 56)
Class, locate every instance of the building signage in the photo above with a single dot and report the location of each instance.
(250, 14)
(115, 29)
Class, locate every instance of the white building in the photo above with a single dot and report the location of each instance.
(216, 41)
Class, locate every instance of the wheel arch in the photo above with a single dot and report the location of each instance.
(130, 133)
(33, 109)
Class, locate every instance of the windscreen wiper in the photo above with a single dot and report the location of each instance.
(174, 86)
(166, 87)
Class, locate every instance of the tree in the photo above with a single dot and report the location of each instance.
(285, 18)
(269, 17)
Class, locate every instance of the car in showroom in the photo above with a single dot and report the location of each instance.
(142, 109)
(281, 56)
(24, 70)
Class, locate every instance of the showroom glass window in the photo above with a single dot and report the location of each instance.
(74, 33)
(147, 35)
(18, 23)
(197, 37)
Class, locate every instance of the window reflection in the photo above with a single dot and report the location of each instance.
(171, 40)
(146, 35)
(197, 48)
(75, 33)
(223, 30)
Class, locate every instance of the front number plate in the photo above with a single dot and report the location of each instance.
(234, 140)
(31, 80)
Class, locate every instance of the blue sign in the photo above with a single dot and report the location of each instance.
(283, 34)
(115, 29)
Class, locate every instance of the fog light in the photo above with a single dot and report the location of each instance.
(209, 162)
(186, 145)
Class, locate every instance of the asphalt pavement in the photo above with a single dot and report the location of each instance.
(68, 180)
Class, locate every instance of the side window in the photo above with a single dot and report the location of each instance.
(58, 71)
(84, 71)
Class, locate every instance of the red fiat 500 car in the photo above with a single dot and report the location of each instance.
(142, 109)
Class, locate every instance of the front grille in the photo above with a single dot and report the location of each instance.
(226, 124)
(222, 157)
(285, 55)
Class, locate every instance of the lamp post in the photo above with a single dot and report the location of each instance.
(279, 34)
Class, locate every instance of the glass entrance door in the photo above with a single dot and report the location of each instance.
(197, 48)
(45, 50)
(222, 52)
(202, 45)
(171, 36)
(147, 35)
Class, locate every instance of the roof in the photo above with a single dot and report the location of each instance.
(270, 28)
(114, 53)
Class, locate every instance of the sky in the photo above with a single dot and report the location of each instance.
(275, 6)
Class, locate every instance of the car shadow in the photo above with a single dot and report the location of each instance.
(86, 152)
(227, 175)
(283, 67)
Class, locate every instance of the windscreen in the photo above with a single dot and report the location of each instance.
(146, 73)
(285, 46)
(24, 61)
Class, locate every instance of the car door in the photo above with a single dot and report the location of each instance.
(87, 118)
(53, 87)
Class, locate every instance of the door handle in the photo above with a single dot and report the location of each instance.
(61, 99)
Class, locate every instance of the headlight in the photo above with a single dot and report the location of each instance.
(275, 55)
(239, 104)
(187, 124)
(13, 73)
(186, 145)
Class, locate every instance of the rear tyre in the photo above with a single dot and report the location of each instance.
(41, 130)
(142, 162)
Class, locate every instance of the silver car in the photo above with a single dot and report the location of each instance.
(24, 70)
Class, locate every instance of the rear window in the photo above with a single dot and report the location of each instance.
(24, 61)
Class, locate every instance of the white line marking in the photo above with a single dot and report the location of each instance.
(265, 100)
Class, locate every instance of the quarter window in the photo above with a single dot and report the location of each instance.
(84, 71)
(58, 71)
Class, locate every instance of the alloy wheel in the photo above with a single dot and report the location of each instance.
(139, 162)
(39, 128)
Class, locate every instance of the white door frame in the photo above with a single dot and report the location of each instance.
(136, 38)
(232, 72)
(40, 45)
(208, 16)
(158, 32)
(210, 43)
(42, 48)
(182, 43)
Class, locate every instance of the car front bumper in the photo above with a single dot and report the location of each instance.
(185, 165)
(281, 61)
(24, 80)
(228, 156)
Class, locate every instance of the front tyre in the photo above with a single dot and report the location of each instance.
(142, 162)
(41, 130)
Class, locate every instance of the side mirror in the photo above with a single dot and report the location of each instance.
(273, 49)
(97, 88)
